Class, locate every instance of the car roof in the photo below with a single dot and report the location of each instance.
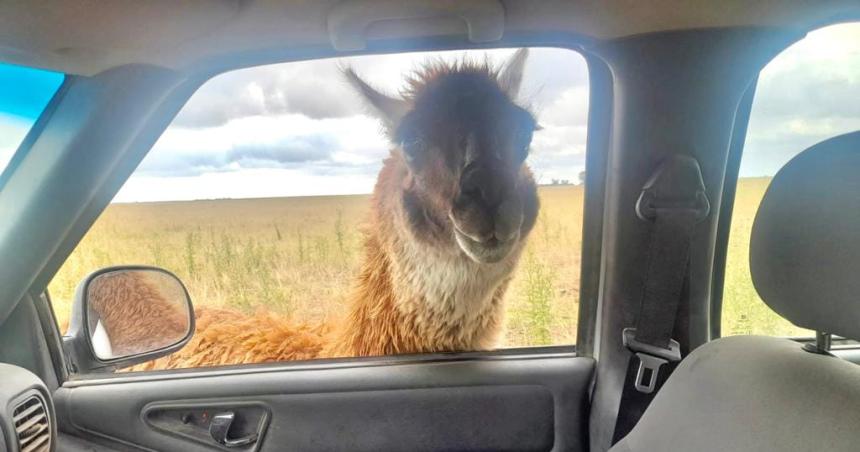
(90, 36)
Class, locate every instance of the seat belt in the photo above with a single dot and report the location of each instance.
(673, 201)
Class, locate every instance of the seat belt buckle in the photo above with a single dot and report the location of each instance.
(651, 359)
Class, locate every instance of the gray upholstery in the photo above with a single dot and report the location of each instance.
(751, 393)
(805, 244)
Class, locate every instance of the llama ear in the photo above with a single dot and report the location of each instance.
(511, 74)
(390, 109)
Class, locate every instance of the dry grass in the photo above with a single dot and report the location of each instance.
(743, 310)
(296, 257)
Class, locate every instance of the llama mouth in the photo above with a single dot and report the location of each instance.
(488, 251)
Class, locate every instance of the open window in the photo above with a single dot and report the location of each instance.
(805, 95)
(259, 198)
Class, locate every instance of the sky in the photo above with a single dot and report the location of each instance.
(807, 94)
(296, 129)
(24, 93)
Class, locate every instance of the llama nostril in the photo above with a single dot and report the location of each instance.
(508, 219)
(505, 234)
(487, 198)
(482, 185)
(475, 194)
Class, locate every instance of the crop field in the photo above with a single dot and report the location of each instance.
(297, 257)
(743, 310)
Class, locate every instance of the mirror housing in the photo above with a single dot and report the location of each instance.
(126, 315)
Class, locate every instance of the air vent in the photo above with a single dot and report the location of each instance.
(32, 425)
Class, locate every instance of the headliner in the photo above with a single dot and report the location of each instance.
(89, 36)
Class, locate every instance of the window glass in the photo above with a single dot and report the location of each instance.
(807, 94)
(24, 94)
(259, 197)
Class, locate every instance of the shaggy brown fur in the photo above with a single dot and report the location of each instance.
(141, 299)
(226, 336)
(450, 213)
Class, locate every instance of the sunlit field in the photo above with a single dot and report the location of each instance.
(743, 310)
(297, 257)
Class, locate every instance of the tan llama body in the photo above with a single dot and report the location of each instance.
(450, 213)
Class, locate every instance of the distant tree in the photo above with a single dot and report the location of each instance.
(560, 182)
(582, 177)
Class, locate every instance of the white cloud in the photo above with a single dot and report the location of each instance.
(299, 128)
(569, 108)
(279, 141)
(808, 93)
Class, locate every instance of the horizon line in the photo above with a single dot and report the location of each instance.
(251, 198)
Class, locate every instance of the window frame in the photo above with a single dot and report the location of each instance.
(598, 125)
(724, 223)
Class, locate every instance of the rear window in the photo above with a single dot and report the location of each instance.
(807, 94)
(24, 94)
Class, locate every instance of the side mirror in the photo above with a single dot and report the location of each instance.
(127, 315)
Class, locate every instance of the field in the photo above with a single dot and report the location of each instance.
(743, 310)
(297, 257)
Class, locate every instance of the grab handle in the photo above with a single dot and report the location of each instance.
(348, 21)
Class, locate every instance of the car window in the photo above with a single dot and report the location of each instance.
(24, 94)
(807, 94)
(259, 196)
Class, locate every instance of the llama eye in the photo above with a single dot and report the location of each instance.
(413, 147)
(522, 141)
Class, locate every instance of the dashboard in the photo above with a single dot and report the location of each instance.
(27, 419)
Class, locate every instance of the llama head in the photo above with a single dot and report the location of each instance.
(463, 141)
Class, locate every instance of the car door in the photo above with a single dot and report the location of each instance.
(536, 400)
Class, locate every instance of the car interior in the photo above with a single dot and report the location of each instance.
(671, 88)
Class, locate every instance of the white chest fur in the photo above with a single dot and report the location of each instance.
(445, 287)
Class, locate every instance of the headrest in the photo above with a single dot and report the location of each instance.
(805, 244)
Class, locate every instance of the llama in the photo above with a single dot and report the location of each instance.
(450, 214)
(451, 211)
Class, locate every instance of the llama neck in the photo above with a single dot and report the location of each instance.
(444, 285)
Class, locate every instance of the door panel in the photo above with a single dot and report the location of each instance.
(439, 402)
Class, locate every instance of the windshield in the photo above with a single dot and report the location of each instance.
(24, 94)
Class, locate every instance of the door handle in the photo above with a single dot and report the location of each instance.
(219, 429)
